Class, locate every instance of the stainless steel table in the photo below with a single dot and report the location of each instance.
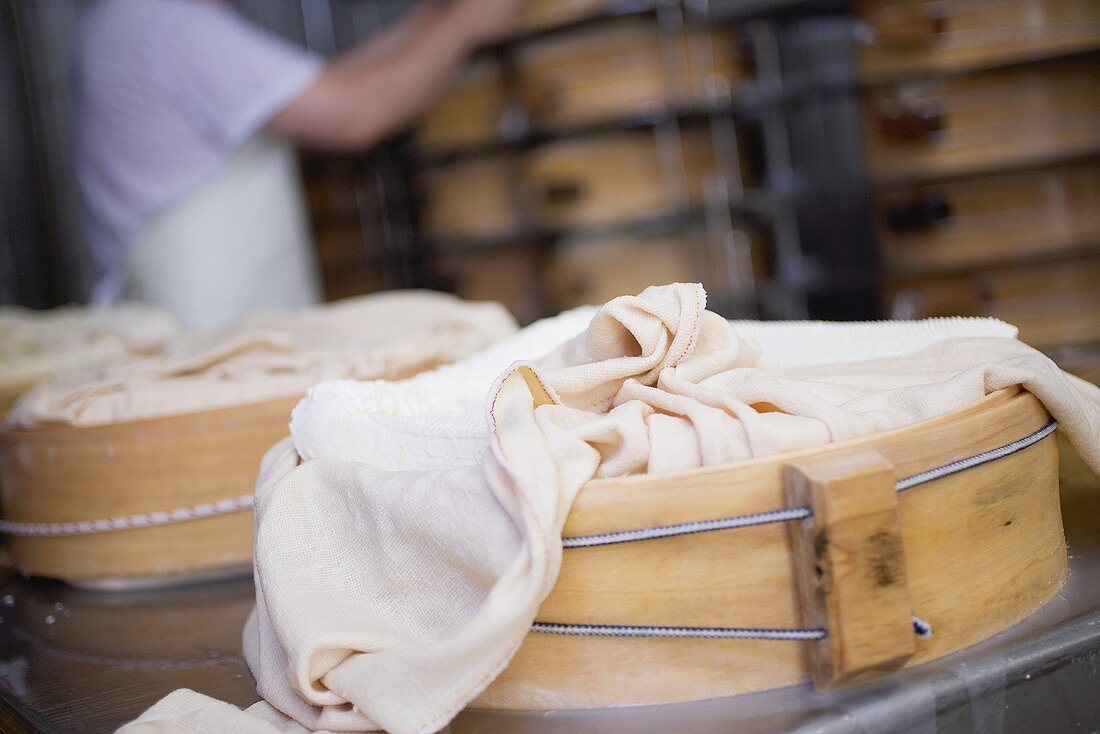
(74, 661)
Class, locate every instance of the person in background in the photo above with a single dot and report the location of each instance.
(186, 115)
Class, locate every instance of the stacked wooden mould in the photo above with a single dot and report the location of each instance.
(580, 163)
(142, 473)
(983, 140)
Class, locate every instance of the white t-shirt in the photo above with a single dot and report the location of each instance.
(166, 92)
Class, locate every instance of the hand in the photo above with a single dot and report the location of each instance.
(484, 21)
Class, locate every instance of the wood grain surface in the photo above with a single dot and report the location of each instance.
(910, 37)
(850, 566)
(970, 124)
(984, 548)
(991, 221)
(61, 474)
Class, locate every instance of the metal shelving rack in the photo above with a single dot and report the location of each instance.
(822, 249)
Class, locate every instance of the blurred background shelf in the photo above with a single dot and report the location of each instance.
(913, 38)
(835, 159)
(438, 152)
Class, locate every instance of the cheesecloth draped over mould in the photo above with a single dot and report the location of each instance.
(389, 599)
(37, 344)
(273, 354)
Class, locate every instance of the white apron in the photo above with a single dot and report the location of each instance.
(241, 242)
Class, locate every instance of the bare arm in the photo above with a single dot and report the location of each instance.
(395, 35)
(369, 93)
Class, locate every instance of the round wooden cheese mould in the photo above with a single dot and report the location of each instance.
(1054, 304)
(594, 181)
(909, 37)
(471, 198)
(59, 474)
(971, 553)
(538, 15)
(1049, 317)
(624, 69)
(585, 270)
(468, 114)
(511, 275)
(982, 123)
(607, 179)
(991, 220)
(595, 270)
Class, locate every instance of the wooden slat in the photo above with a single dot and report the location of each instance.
(850, 566)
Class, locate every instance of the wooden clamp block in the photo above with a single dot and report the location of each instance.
(850, 566)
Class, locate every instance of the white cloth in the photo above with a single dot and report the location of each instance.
(276, 354)
(434, 420)
(391, 599)
(166, 91)
(38, 344)
(798, 343)
(239, 243)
